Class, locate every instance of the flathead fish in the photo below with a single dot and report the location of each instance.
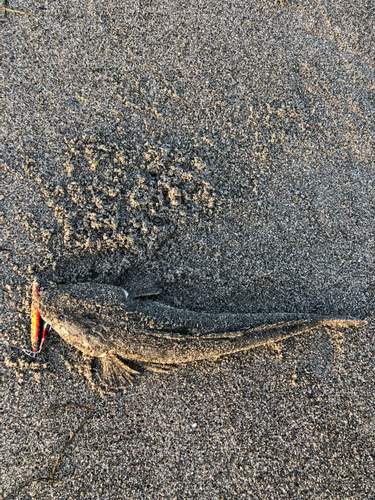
(105, 322)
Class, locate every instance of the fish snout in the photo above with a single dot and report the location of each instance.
(50, 307)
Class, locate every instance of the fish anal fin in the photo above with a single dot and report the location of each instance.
(160, 367)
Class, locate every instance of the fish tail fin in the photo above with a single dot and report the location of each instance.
(344, 323)
(246, 339)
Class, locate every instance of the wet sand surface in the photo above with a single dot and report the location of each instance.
(222, 152)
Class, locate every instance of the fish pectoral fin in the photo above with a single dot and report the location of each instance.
(115, 372)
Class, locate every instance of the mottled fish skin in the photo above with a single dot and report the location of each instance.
(100, 321)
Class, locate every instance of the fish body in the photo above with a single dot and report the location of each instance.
(103, 321)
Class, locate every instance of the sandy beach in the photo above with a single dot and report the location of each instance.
(222, 152)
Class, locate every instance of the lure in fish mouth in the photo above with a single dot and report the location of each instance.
(106, 322)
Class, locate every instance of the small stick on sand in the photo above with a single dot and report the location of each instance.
(17, 11)
(50, 477)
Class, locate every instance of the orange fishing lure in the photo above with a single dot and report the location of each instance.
(35, 318)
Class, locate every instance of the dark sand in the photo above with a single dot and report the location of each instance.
(223, 151)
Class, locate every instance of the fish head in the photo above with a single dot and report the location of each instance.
(77, 313)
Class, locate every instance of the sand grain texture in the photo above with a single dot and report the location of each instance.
(223, 152)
